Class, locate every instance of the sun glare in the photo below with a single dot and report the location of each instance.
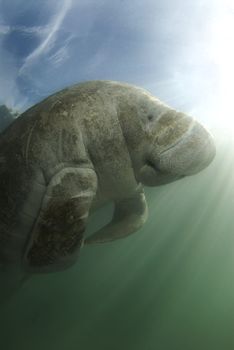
(222, 51)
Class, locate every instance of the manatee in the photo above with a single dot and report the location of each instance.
(78, 149)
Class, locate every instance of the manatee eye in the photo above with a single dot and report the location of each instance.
(150, 117)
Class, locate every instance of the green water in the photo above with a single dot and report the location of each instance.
(168, 287)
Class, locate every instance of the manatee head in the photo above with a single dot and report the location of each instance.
(166, 145)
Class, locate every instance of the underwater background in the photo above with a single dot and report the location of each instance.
(169, 286)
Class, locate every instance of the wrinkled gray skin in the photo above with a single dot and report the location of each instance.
(86, 145)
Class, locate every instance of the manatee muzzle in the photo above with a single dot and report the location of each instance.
(188, 155)
(193, 152)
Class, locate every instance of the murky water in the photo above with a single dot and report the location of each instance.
(168, 287)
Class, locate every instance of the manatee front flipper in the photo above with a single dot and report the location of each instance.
(58, 233)
(129, 215)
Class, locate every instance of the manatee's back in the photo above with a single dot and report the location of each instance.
(23, 155)
(15, 185)
(28, 147)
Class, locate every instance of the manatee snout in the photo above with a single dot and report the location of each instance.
(186, 149)
(192, 153)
